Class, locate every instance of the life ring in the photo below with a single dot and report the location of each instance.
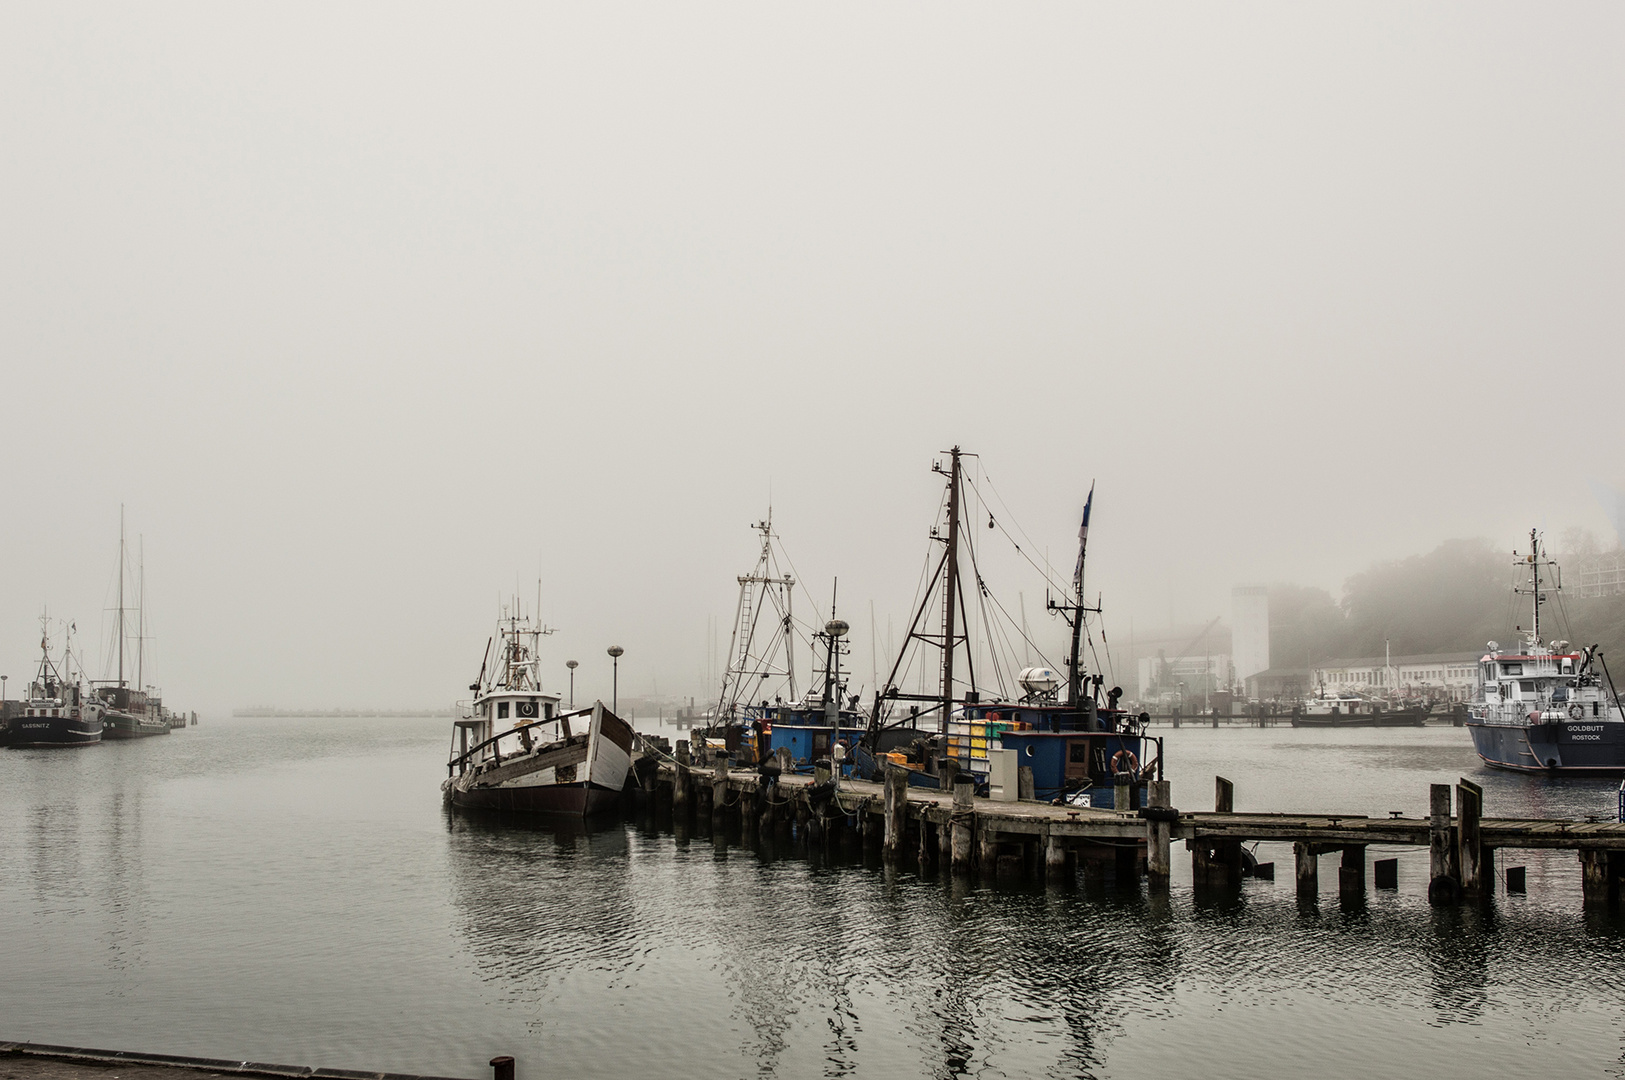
(1576, 711)
(1133, 762)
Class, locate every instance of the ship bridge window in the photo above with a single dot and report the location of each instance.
(1527, 685)
(1512, 669)
(502, 710)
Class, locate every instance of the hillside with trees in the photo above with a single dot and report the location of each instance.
(1453, 599)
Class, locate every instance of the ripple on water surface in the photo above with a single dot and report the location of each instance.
(292, 890)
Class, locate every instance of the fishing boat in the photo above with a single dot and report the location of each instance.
(57, 710)
(762, 707)
(131, 712)
(1544, 706)
(1342, 708)
(1081, 747)
(515, 749)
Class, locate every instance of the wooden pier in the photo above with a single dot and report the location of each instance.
(1021, 838)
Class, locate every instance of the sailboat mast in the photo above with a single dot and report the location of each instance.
(951, 562)
(140, 611)
(121, 595)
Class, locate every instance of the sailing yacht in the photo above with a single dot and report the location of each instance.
(131, 712)
(516, 750)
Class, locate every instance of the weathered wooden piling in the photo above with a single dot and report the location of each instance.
(1351, 874)
(964, 817)
(680, 781)
(1443, 885)
(896, 806)
(502, 1068)
(1216, 861)
(1469, 853)
(1159, 836)
(1516, 882)
(1385, 873)
(719, 786)
(1054, 858)
(1307, 860)
(927, 855)
(1024, 783)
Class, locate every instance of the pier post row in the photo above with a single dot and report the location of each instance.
(966, 833)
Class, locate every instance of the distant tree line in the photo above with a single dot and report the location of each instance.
(1453, 599)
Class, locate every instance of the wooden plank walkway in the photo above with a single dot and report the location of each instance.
(968, 834)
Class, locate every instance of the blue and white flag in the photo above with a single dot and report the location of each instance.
(1083, 542)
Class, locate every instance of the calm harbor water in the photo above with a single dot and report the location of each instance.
(292, 890)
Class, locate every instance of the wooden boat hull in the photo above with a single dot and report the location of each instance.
(581, 778)
(577, 800)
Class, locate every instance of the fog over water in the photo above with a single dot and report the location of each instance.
(370, 315)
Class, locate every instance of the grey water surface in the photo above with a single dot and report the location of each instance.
(292, 890)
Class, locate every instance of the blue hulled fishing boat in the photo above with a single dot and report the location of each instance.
(1081, 747)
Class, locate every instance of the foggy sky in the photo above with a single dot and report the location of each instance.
(367, 313)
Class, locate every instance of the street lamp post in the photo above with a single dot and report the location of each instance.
(3, 679)
(835, 629)
(615, 654)
(572, 665)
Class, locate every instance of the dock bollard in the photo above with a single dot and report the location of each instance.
(502, 1068)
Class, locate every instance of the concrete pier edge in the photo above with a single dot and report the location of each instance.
(242, 1068)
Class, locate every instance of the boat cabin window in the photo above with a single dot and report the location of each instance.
(1527, 686)
(1078, 752)
(1512, 669)
(502, 710)
(547, 710)
(1567, 665)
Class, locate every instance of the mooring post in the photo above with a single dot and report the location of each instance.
(928, 844)
(1159, 836)
(679, 781)
(786, 765)
(1024, 783)
(947, 772)
(1054, 858)
(1351, 874)
(1600, 885)
(1443, 884)
(896, 811)
(1122, 785)
(1469, 855)
(1308, 863)
(1217, 861)
(719, 786)
(502, 1068)
(964, 820)
(987, 853)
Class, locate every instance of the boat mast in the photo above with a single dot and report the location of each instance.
(951, 565)
(1534, 562)
(141, 612)
(121, 595)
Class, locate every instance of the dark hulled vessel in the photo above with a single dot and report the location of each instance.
(515, 750)
(1543, 707)
(57, 711)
